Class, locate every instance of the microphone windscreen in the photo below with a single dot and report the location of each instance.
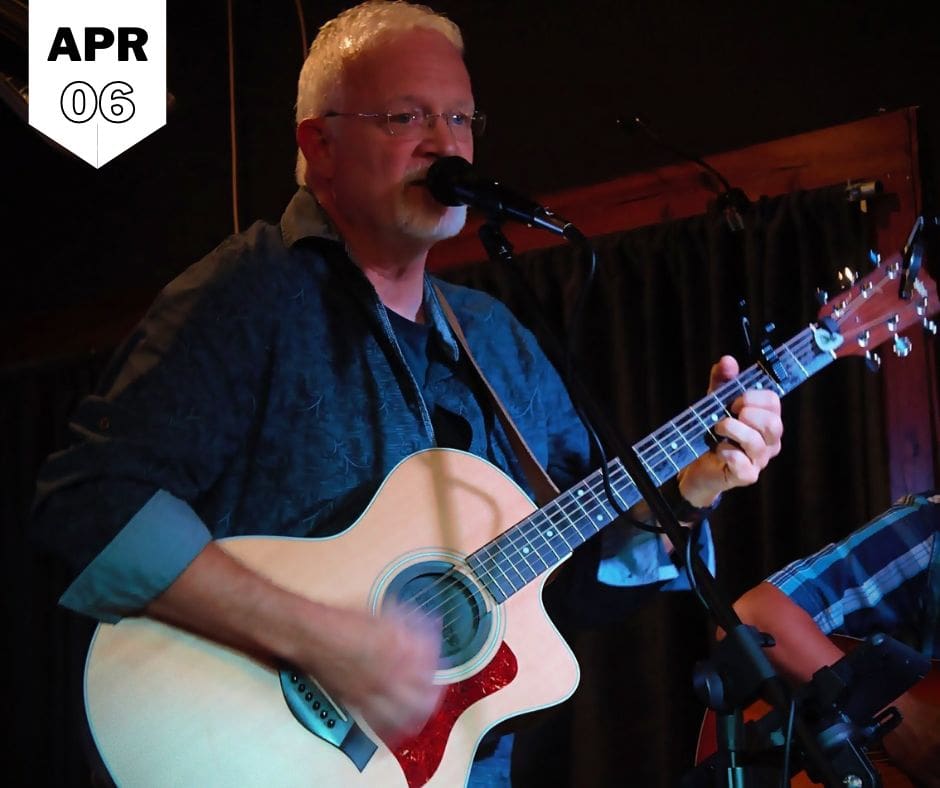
(442, 177)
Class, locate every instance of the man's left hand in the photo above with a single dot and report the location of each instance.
(749, 439)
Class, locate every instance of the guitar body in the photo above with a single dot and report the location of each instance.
(927, 690)
(168, 708)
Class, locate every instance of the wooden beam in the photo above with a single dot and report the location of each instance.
(877, 148)
(882, 149)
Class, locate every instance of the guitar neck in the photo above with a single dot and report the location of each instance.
(548, 536)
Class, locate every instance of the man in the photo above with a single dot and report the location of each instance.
(883, 577)
(274, 384)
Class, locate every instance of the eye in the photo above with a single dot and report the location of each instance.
(402, 118)
(459, 119)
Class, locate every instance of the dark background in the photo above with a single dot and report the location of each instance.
(553, 78)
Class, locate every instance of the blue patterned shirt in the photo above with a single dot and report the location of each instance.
(265, 393)
(884, 577)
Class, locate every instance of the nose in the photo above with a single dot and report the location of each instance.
(439, 138)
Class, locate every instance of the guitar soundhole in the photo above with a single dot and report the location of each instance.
(451, 599)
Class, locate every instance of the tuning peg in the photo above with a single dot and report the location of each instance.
(874, 258)
(921, 307)
(867, 289)
(901, 346)
(821, 296)
(930, 327)
(872, 361)
(864, 338)
(893, 322)
(894, 269)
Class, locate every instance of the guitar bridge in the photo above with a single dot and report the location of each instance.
(313, 708)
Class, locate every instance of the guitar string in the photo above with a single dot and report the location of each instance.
(589, 517)
(581, 507)
(744, 381)
(517, 531)
(747, 378)
(802, 342)
(806, 338)
(520, 533)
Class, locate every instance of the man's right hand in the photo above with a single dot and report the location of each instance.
(383, 667)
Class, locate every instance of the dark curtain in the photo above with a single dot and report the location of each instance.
(662, 309)
(46, 645)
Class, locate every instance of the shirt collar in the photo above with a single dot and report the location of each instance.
(304, 217)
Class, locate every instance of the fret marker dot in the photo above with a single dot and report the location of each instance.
(599, 518)
(580, 493)
(525, 550)
(714, 417)
(673, 445)
(549, 532)
(759, 385)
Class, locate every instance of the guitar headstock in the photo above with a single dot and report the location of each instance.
(876, 308)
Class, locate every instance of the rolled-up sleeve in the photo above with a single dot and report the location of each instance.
(122, 507)
(164, 536)
(631, 557)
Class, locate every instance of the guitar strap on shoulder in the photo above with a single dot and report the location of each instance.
(540, 482)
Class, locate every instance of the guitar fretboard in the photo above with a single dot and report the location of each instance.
(545, 538)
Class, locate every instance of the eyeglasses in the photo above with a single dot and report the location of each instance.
(412, 125)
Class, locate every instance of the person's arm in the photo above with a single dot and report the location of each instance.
(751, 438)
(382, 666)
(164, 564)
(116, 505)
(801, 649)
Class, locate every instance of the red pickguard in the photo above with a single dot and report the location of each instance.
(420, 756)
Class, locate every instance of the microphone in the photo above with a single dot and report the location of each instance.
(453, 181)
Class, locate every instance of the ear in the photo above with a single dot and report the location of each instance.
(314, 141)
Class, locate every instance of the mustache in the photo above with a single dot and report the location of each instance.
(417, 177)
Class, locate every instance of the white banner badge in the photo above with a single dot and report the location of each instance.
(97, 73)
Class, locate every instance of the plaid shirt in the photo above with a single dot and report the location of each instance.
(884, 577)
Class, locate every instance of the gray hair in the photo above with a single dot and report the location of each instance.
(346, 36)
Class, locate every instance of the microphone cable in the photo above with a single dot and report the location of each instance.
(571, 348)
(732, 201)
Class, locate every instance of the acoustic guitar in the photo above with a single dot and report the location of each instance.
(455, 537)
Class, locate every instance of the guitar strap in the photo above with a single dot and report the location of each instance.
(542, 486)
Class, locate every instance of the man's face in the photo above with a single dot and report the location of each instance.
(376, 185)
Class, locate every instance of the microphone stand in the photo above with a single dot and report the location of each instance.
(741, 671)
